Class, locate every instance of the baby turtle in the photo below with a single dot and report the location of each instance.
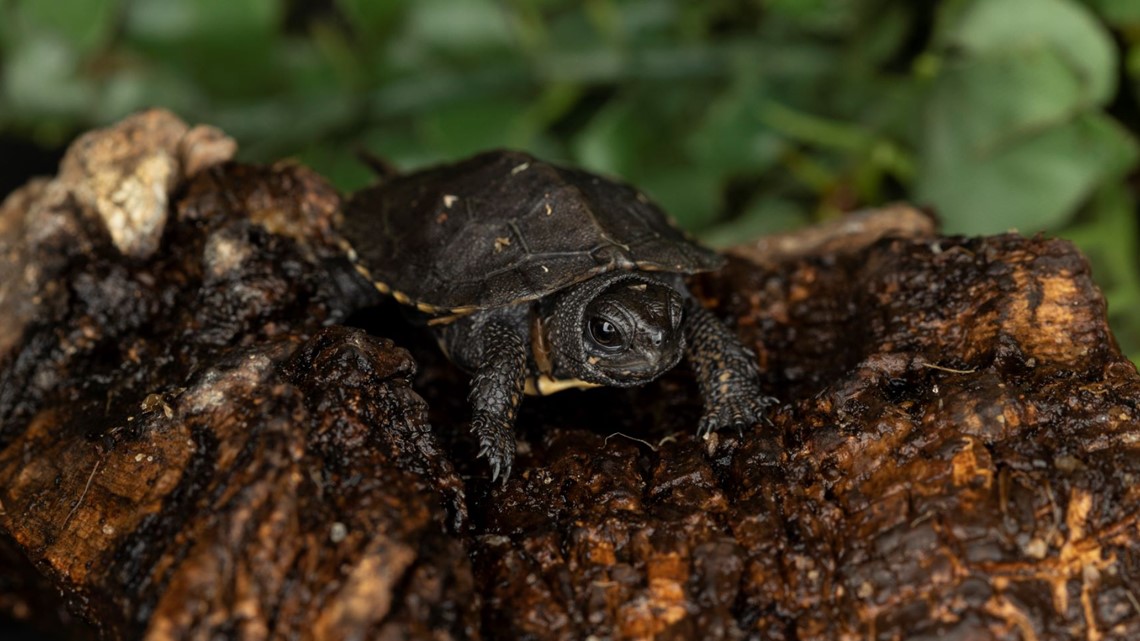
(538, 278)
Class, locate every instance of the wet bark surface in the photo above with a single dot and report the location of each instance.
(210, 428)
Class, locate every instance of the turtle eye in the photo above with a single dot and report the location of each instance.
(605, 333)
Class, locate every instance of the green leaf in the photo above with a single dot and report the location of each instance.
(629, 139)
(764, 215)
(613, 140)
(82, 24)
(41, 78)
(398, 144)
(733, 138)
(225, 47)
(1005, 27)
(457, 25)
(992, 102)
(344, 170)
(472, 125)
(1012, 136)
(1032, 185)
(373, 20)
(1132, 65)
(215, 21)
(816, 15)
(135, 88)
(1121, 13)
(882, 29)
(690, 194)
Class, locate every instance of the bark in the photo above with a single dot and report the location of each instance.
(209, 428)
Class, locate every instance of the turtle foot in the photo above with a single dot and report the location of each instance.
(742, 410)
(496, 444)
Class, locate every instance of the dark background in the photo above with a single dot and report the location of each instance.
(740, 117)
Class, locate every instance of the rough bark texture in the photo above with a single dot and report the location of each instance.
(194, 444)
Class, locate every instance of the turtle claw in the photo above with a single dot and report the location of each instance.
(496, 444)
(742, 411)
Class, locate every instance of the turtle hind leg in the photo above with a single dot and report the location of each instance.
(726, 372)
(496, 391)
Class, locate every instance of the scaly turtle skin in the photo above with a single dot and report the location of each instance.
(537, 278)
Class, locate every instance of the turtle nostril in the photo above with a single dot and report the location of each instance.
(657, 338)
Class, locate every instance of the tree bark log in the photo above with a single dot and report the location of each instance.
(199, 439)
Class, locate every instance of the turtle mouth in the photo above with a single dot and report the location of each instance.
(631, 373)
(663, 362)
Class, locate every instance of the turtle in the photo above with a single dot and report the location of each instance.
(536, 277)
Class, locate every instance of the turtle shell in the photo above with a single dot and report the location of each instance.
(502, 228)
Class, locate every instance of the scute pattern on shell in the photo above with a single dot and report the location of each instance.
(504, 227)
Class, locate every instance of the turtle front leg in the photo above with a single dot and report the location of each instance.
(496, 391)
(727, 374)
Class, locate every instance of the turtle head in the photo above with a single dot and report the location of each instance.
(618, 329)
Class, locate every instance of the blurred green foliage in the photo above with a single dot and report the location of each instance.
(742, 117)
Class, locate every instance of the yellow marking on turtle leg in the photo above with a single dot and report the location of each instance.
(455, 315)
(363, 271)
(349, 251)
(427, 308)
(546, 385)
(383, 288)
(401, 297)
